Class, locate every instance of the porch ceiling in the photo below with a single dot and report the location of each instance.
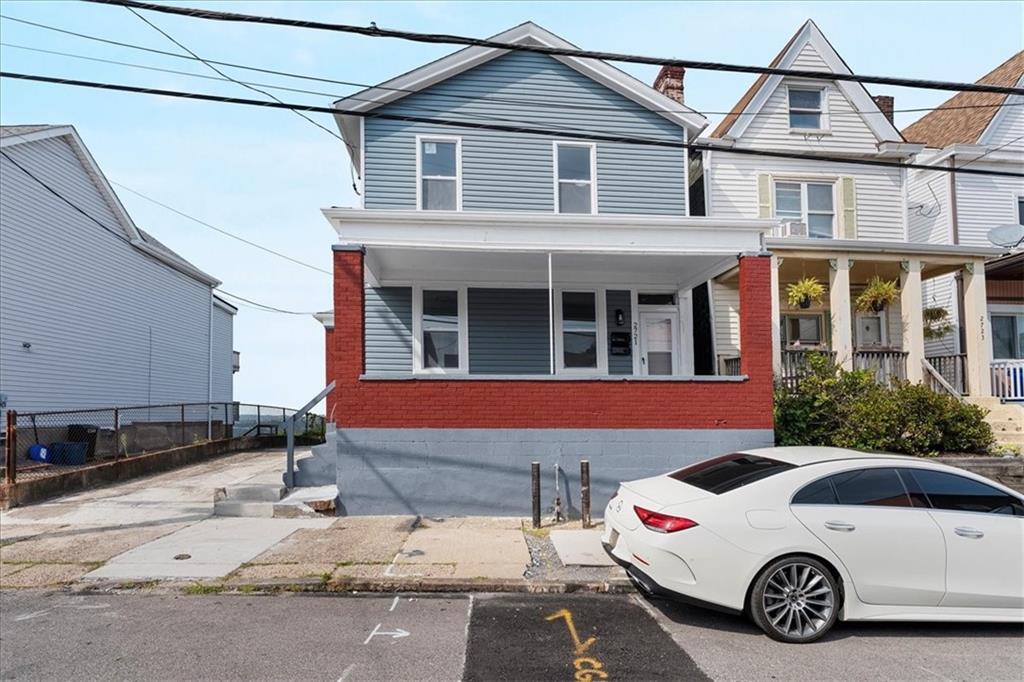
(403, 265)
(862, 268)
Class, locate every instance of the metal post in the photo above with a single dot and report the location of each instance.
(10, 447)
(585, 492)
(259, 420)
(535, 481)
(182, 424)
(289, 473)
(224, 424)
(117, 433)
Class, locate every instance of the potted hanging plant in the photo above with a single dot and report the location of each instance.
(877, 294)
(936, 323)
(805, 291)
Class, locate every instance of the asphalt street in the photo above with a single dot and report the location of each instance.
(56, 635)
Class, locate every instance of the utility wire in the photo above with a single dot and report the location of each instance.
(374, 31)
(464, 123)
(452, 96)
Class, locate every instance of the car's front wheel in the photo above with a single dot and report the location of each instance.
(795, 599)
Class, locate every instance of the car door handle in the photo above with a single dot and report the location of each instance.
(965, 532)
(840, 526)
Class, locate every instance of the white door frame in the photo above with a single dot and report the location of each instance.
(660, 312)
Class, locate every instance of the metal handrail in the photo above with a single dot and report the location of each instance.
(147, 407)
(289, 474)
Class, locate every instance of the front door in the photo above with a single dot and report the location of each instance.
(659, 343)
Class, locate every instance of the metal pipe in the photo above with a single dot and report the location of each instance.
(117, 433)
(558, 517)
(183, 424)
(585, 492)
(10, 447)
(535, 485)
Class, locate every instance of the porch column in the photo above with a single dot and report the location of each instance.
(840, 312)
(345, 352)
(913, 318)
(776, 319)
(979, 346)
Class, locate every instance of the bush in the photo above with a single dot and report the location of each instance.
(832, 406)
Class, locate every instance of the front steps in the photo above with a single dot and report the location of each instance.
(274, 501)
(321, 468)
(1006, 420)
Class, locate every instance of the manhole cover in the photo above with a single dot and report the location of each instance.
(182, 557)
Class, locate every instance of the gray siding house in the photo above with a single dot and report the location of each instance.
(94, 312)
(523, 289)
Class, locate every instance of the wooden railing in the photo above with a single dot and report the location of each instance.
(731, 366)
(934, 380)
(794, 364)
(952, 368)
(888, 365)
(1008, 379)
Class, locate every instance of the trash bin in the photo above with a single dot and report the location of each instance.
(68, 454)
(84, 433)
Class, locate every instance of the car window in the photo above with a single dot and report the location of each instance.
(728, 472)
(958, 493)
(819, 492)
(876, 487)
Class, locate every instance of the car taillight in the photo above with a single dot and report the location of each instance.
(662, 523)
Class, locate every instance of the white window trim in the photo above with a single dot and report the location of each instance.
(787, 343)
(420, 139)
(825, 122)
(600, 301)
(804, 194)
(417, 330)
(555, 144)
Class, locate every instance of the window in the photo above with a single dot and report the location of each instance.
(869, 330)
(806, 111)
(575, 189)
(819, 492)
(439, 166)
(1008, 337)
(728, 472)
(439, 330)
(958, 493)
(870, 487)
(579, 330)
(803, 330)
(656, 299)
(808, 202)
(1020, 210)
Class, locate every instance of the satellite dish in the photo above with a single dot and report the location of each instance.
(1007, 236)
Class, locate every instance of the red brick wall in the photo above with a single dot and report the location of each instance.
(433, 403)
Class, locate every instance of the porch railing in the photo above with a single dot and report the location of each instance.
(888, 365)
(795, 363)
(934, 380)
(1008, 379)
(952, 368)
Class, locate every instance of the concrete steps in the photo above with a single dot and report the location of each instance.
(1007, 422)
(321, 468)
(248, 500)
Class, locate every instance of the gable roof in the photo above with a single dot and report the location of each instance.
(964, 117)
(527, 33)
(743, 112)
(11, 135)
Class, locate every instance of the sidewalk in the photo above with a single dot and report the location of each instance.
(160, 531)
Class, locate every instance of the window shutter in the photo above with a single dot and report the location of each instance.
(764, 196)
(847, 208)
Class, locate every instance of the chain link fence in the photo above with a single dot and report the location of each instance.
(46, 443)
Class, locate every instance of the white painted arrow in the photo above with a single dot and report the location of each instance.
(377, 632)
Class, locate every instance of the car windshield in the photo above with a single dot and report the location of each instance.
(728, 472)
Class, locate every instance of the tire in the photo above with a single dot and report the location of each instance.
(795, 599)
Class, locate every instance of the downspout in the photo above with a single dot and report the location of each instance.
(954, 228)
(209, 371)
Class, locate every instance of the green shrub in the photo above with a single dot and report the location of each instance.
(832, 406)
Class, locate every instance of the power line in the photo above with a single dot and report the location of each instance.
(466, 123)
(375, 32)
(448, 96)
(264, 307)
(117, 233)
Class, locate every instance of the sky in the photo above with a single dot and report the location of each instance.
(264, 175)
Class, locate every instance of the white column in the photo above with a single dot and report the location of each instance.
(913, 318)
(979, 345)
(839, 305)
(551, 315)
(776, 320)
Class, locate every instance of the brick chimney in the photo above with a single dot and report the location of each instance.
(885, 105)
(670, 82)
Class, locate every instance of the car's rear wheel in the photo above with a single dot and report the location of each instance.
(795, 599)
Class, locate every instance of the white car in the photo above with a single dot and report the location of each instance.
(798, 537)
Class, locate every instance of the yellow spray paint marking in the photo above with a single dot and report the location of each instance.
(587, 668)
(581, 647)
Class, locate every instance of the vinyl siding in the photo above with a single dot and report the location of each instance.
(928, 207)
(941, 292)
(108, 325)
(619, 300)
(388, 330)
(1009, 129)
(986, 201)
(509, 331)
(848, 131)
(726, 306)
(515, 171)
(223, 345)
(733, 188)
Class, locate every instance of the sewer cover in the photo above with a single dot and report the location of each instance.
(182, 557)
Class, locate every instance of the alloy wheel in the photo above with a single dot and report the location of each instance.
(798, 600)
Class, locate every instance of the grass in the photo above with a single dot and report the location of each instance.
(200, 588)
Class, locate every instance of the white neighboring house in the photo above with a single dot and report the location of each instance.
(842, 224)
(976, 130)
(94, 312)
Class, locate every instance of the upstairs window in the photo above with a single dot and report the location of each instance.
(806, 109)
(439, 171)
(811, 203)
(575, 188)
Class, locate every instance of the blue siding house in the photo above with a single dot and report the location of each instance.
(518, 285)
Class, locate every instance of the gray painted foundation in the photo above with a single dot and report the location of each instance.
(440, 472)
